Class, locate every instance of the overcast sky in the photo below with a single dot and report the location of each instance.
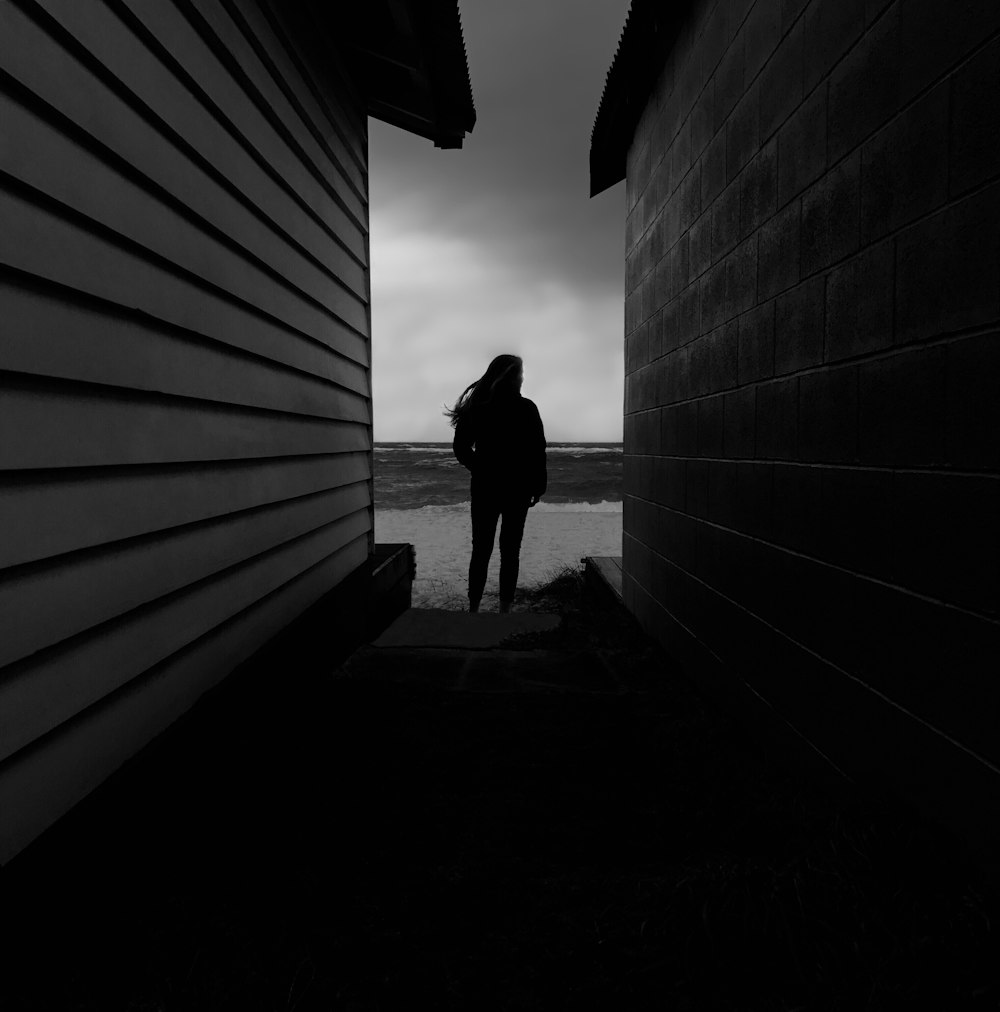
(496, 247)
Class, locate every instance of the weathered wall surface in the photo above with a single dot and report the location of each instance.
(812, 351)
(186, 414)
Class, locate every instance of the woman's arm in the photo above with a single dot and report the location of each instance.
(463, 443)
(539, 471)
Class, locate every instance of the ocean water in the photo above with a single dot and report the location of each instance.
(422, 496)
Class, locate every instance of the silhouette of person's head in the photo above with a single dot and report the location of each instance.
(502, 379)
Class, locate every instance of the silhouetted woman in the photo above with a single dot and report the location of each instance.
(499, 438)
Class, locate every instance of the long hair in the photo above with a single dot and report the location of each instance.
(500, 377)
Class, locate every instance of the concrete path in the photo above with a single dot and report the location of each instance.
(480, 653)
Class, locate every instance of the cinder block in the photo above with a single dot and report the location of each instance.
(661, 293)
(762, 30)
(687, 429)
(975, 125)
(972, 405)
(723, 503)
(948, 269)
(831, 216)
(790, 10)
(945, 537)
(754, 483)
(700, 246)
(668, 429)
(713, 41)
(674, 489)
(679, 258)
(859, 304)
(828, 415)
(781, 83)
(680, 151)
(778, 420)
(831, 28)
(759, 189)
(689, 312)
(723, 346)
(855, 528)
(710, 426)
(864, 87)
(741, 277)
(910, 641)
(683, 535)
(729, 82)
(669, 335)
(648, 292)
(698, 382)
(778, 255)
(935, 36)
(713, 168)
(756, 344)
(873, 8)
(703, 119)
(696, 488)
(798, 506)
(689, 200)
(662, 182)
(802, 146)
(798, 327)
(655, 338)
(904, 167)
(742, 132)
(740, 423)
(713, 296)
(726, 221)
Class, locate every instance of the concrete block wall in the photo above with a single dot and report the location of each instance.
(812, 430)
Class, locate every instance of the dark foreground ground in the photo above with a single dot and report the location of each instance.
(376, 839)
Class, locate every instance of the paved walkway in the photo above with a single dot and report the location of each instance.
(478, 812)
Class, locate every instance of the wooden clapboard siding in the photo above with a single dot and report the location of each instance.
(187, 151)
(82, 425)
(46, 513)
(288, 109)
(50, 776)
(51, 332)
(58, 599)
(41, 153)
(51, 242)
(333, 121)
(54, 684)
(186, 406)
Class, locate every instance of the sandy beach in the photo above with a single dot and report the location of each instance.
(554, 537)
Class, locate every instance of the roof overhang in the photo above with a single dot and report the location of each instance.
(407, 57)
(651, 29)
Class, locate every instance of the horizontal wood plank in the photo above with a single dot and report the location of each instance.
(117, 47)
(39, 694)
(42, 783)
(102, 104)
(259, 56)
(42, 605)
(47, 334)
(78, 425)
(39, 154)
(43, 242)
(45, 516)
(311, 52)
(60, 83)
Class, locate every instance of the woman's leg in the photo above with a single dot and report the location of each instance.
(511, 532)
(485, 514)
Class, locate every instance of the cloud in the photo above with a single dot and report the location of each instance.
(442, 308)
(496, 247)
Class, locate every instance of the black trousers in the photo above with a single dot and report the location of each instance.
(488, 507)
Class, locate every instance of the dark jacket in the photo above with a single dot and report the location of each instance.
(503, 445)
